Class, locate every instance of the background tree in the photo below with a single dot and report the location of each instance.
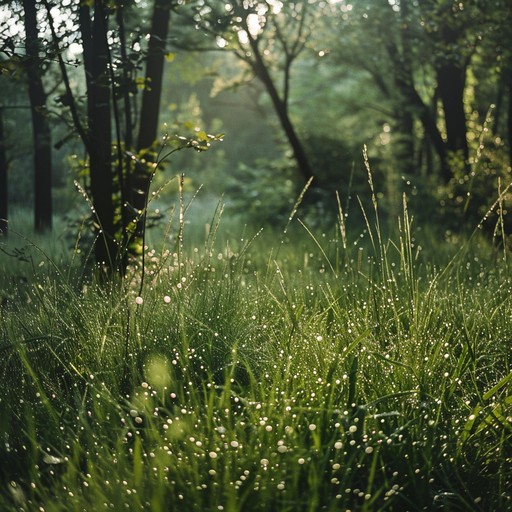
(155, 59)
(3, 179)
(430, 47)
(94, 29)
(268, 37)
(150, 109)
(40, 126)
(493, 73)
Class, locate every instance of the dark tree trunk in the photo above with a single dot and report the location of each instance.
(509, 118)
(148, 128)
(405, 151)
(40, 125)
(281, 108)
(148, 125)
(411, 102)
(428, 121)
(450, 86)
(3, 179)
(96, 58)
(125, 165)
(127, 76)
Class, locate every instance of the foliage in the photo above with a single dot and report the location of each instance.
(262, 193)
(482, 196)
(342, 74)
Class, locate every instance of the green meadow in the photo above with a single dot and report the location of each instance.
(277, 370)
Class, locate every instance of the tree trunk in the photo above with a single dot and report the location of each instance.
(450, 84)
(3, 179)
(148, 125)
(411, 103)
(148, 128)
(404, 114)
(96, 58)
(40, 126)
(125, 164)
(428, 121)
(281, 108)
(509, 118)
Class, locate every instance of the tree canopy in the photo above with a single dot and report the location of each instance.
(298, 87)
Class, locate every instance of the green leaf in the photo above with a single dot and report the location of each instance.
(202, 136)
(497, 387)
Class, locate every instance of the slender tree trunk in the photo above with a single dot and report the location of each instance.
(509, 117)
(125, 164)
(3, 179)
(148, 128)
(96, 58)
(428, 121)
(127, 76)
(281, 108)
(40, 125)
(151, 97)
(410, 103)
(404, 113)
(451, 84)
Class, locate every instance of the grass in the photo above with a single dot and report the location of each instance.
(302, 372)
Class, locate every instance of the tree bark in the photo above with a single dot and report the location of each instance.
(40, 126)
(3, 179)
(406, 148)
(412, 100)
(509, 118)
(451, 84)
(96, 58)
(125, 165)
(281, 108)
(148, 128)
(151, 97)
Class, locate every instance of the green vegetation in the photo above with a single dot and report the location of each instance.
(348, 350)
(337, 371)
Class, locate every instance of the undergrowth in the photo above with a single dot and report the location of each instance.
(330, 371)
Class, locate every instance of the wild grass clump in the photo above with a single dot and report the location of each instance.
(307, 372)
